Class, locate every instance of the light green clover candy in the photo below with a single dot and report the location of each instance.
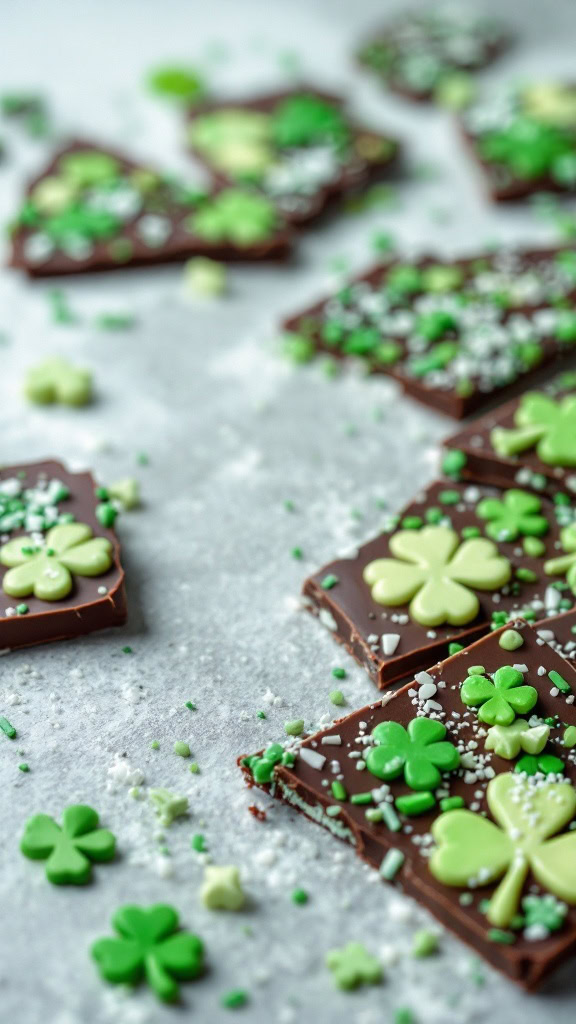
(554, 102)
(237, 216)
(56, 380)
(353, 965)
(543, 423)
(45, 570)
(235, 141)
(499, 701)
(433, 571)
(88, 168)
(420, 753)
(565, 564)
(516, 515)
(508, 740)
(472, 850)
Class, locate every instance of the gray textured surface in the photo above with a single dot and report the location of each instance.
(232, 432)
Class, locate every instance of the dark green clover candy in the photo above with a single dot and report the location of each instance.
(150, 945)
(420, 753)
(68, 850)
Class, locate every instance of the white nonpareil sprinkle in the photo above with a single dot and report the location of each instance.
(312, 758)
(390, 642)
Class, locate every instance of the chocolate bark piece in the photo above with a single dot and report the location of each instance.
(498, 552)
(529, 442)
(452, 333)
(429, 55)
(94, 209)
(425, 790)
(559, 632)
(38, 500)
(525, 140)
(299, 147)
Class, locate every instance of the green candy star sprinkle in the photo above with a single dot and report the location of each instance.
(46, 570)
(243, 218)
(68, 849)
(499, 701)
(353, 966)
(222, 888)
(434, 571)
(151, 946)
(473, 849)
(420, 753)
(542, 423)
(516, 515)
(56, 381)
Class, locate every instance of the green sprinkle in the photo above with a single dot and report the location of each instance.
(155, 745)
(181, 748)
(235, 999)
(374, 814)
(143, 459)
(469, 532)
(391, 863)
(24, 767)
(413, 804)
(338, 673)
(329, 581)
(127, 650)
(412, 522)
(294, 728)
(7, 728)
(449, 497)
(297, 553)
(299, 896)
(106, 514)
(339, 790)
(22, 609)
(511, 640)
(568, 739)
(424, 943)
(476, 670)
(337, 697)
(190, 705)
(451, 803)
(333, 811)
(453, 463)
(557, 680)
(261, 714)
(114, 321)
(454, 648)
(194, 768)
(391, 819)
(361, 798)
(289, 506)
(433, 515)
(526, 575)
(403, 1015)
(500, 936)
(199, 843)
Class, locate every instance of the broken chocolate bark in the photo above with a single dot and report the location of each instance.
(458, 561)
(525, 140)
(432, 54)
(459, 790)
(60, 570)
(299, 148)
(529, 442)
(94, 209)
(454, 333)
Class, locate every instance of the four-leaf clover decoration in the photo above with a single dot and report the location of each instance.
(433, 571)
(68, 850)
(500, 701)
(305, 119)
(56, 380)
(46, 569)
(235, 215)
(353, 965)
(150, 946)
(234, 140)
(420, 752)
(543, 423)
(516, 515)
(565, 564)
(472, 850)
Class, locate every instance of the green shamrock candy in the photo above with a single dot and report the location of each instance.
(150, 946)
(421, 753)
(81, 221)
(235, 141)
(88, 168)
(544, 912)
(501, 700)
(352, 966)
(508, 740)
(554, 102)
(565, 564)
(471, 850)
(243, 218)
(305, 120)
(516, 515)
(543, 423)
(529, 148)
(433, 571)
(68, 850)
(45, 570)
(56, 380)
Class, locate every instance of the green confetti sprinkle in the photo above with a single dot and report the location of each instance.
(24, 767)
(190, 705)
(294, 728)
(329, 581)
(7, 728)
(300, 896)
(235, 999)
(199, 843)
(337, 698)
(181, 748)
(339, 673)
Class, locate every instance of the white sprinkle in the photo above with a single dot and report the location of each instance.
(331, 741)
(312, 757)
(390, 642)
